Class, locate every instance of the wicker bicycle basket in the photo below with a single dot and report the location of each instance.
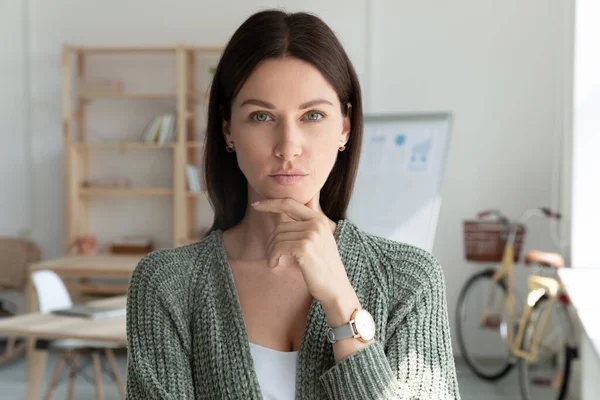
(484, 240)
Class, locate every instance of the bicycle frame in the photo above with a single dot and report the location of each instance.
(538, 287)
(506, 271)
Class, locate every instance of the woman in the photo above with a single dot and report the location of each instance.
(246, 312)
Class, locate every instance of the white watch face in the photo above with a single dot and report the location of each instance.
(365, 325)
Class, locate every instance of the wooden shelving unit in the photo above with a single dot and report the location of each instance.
(115, 192)
(186, 149)
(121, 146)
(130, 96)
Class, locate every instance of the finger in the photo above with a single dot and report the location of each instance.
(290, 226)
(279, 249)
(284, 237)
(290, 207)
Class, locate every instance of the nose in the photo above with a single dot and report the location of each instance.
(289, 142)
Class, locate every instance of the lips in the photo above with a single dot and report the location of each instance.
(289, 171)
(287, 179)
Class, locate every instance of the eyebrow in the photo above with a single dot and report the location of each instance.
(271, 106)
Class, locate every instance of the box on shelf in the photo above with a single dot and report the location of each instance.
(131, 245)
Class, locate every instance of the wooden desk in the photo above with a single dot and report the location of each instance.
(50, 326)
(109, 266)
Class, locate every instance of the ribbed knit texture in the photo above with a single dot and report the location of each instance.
(187, 338)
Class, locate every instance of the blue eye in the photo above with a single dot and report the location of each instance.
(315, 116)
(261, 117)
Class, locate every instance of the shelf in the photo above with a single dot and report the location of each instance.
(141, 96)
(128, 96)
(184, 93)
(125, 192)
(122, 145)
(124, 50)
(136, 50)
(194, 195)
(206, 49)
(198, 95)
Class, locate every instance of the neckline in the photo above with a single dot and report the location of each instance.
(275, 351)
(238, 315)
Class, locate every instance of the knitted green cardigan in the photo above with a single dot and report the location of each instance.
(187, 338)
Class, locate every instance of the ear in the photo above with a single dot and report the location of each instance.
(226, 132)
(225, 125)
(347, 125)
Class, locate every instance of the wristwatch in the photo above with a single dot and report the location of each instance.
(361, 327)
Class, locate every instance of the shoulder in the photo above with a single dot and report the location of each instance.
(403, 267)
(172, 270)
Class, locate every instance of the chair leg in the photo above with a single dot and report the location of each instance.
(10, 344)
(72, 374)
(98, 373)
(55, 375)
(115, 370)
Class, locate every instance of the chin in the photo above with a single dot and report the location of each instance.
(301, 195)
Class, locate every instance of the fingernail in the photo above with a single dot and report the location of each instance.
(255, 203)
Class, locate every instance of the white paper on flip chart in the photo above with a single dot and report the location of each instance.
(398, 187)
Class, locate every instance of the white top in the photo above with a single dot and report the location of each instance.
(276, 372)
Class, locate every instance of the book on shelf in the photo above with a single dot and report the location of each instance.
(160, 130)
(193, 178)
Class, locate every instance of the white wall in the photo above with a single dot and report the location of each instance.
(15, 158)
(586, 166)
(586, 137)
(499, 66)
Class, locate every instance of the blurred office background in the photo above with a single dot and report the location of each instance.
(516, 76)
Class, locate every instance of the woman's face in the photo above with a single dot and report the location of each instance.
(286, 125)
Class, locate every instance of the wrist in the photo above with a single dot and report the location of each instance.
(339, 310)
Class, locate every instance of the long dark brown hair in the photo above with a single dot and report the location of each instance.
(272, 34)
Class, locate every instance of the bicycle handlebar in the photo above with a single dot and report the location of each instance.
(483, 214)
(487, 213)
(501, 217)
(550, 214)
(513, 227)
(534, 211)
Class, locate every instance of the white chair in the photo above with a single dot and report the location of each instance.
(53, 295)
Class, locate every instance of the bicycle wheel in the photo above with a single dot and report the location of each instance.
(483, 343)
(548, 377)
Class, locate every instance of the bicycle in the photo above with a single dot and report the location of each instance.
(541, 338)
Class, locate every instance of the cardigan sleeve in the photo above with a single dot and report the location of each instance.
(159, 345)
(413, 361)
